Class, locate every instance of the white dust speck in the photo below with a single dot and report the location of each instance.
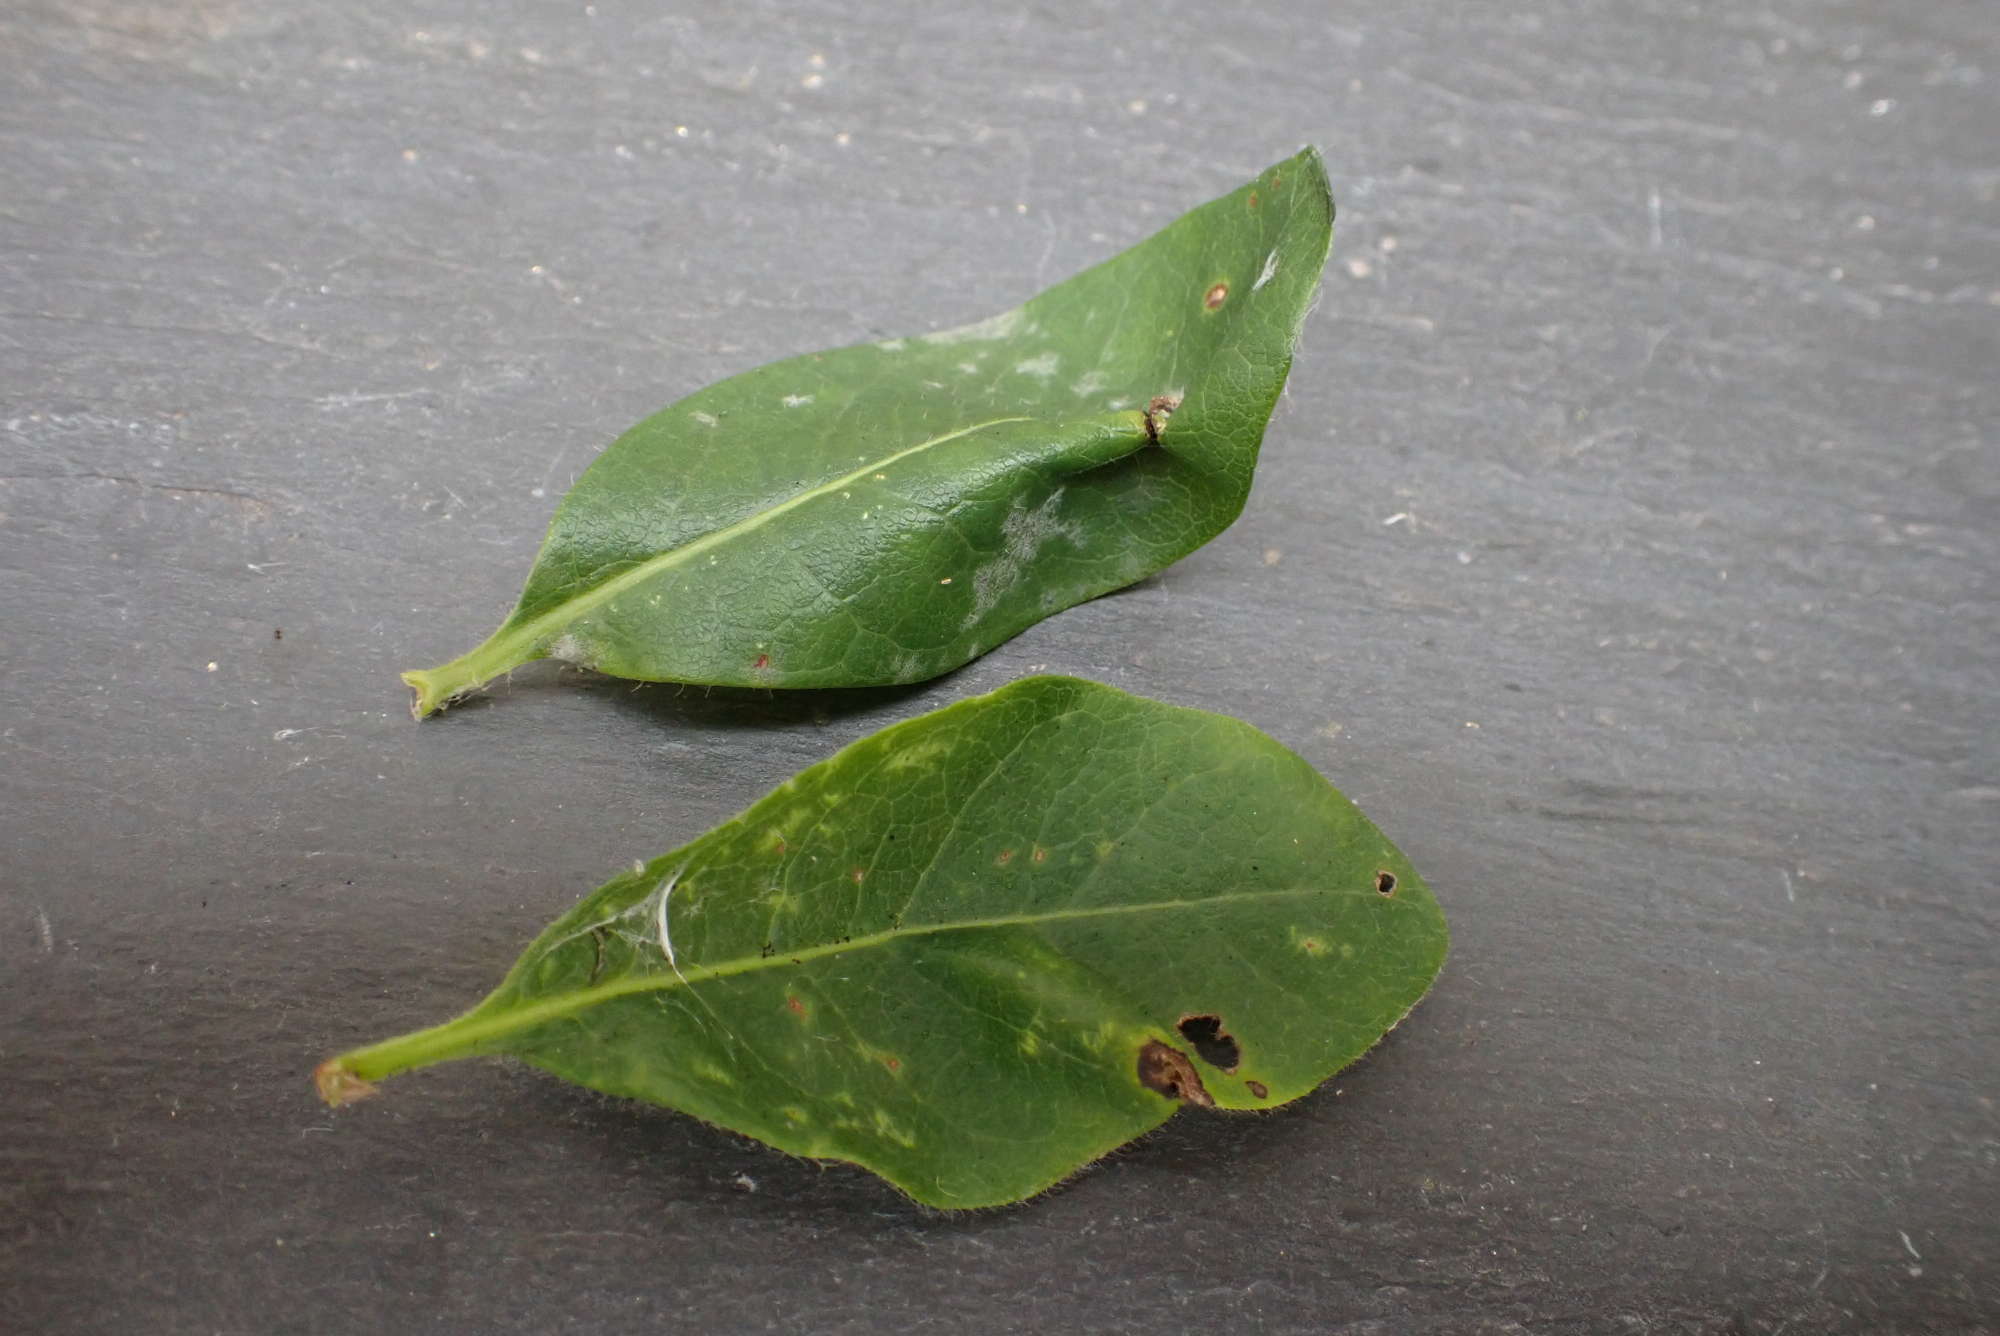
(213, 665)
(284, 733)
(1400, 517)
(1359, 267)
(1269, 272)
(1272, 556)
(45, 931)
(745, 1182)
(1090, 383)
(705, 419)
(797, 400)
(1909, 1245)
(1041, 368)
(994, 327)
(1882, 106)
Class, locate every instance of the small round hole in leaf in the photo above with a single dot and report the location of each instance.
(1385, 882)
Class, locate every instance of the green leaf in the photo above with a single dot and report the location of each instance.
(886, 512)
(980, 949)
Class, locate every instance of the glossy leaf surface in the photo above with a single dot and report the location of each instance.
(980, 949)
(886, 512)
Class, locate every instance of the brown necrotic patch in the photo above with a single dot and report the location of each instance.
(1259, 1089)
(1215, 296)
(1168, 1071)
(1217, 1046)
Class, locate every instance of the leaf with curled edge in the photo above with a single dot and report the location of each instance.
(980, 949)
(887, 512)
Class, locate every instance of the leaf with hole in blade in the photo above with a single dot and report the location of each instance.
(980, 949)
(886, 512)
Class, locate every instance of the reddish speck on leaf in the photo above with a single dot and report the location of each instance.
(778, 846)
(1216, 296)
(763, 661)
(893, 1064)
(796, 1007)
(1253, 199)
(1041, 855)
(1006, 857)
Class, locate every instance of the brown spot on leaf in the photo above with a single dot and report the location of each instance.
(1215, 296)
(1157, 413)
(1258, 1088)
(1215, 1045)
(1253, 199)
(1040, 855)
(1168, 1071)
(796, 1007)
(1006, 857)
(858, 874)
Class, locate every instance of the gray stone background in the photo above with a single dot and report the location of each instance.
(1625, 545)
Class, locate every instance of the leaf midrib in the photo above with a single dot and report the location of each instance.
(569, 609)
(472, 1029)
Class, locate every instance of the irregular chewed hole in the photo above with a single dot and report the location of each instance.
(1385, 882)
(1167, 1071)
(1215, 1044)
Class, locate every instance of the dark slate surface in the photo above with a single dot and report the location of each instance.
(1626, 544)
